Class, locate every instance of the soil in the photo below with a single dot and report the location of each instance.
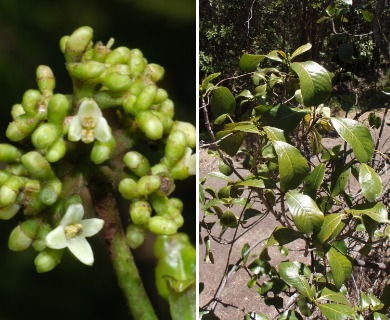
(236, 298)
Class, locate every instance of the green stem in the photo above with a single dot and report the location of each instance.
(126, 271)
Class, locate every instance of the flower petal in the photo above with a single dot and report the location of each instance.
(56, 239)
(75, 130)
(73, 215)
(102, 130)
(91, 226)
(90, 112)
(81, 249)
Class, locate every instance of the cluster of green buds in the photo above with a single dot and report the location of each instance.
(115, 98)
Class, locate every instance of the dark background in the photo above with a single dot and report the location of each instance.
(165, 31)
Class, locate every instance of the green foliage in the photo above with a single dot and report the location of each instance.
(277, 125)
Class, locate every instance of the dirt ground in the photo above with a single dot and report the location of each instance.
(237, 299)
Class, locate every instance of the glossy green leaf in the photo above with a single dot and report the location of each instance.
(336, 311)
(290, 273)
(314, 80)
(282, 117)
(176, 261)
(230, 141)
(274, 134)
(367, 15)
(293, 167)
(229, 219)
(300, 50)
(304, 211)
(256, 183)
(249, 62)
(357, 135)
(339, 180)
(206, 81)
(370, 182)
(222, 101)
(314, 180)
(340, 265)
(380, 316)
(333, 296)
(376, 211)
(331, 223)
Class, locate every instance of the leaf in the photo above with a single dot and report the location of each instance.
(370, 182)
(380, 316)
(336, 311)
(229, 219)
(249, 62)
(282, 117)
(274, 134)
(255, 316)
(331, 223)
(304, 211)
(376, 211)
(357, 135)
(182, 305)
(290, 272)
(284, 235)
(256, 183)
(314, 80)
(340, 265)
(314, 180)
(222, 101)
(339, 180)
(348, 2)
(333, 296)
(300, 50)
(230, 144)
(206, 81)
(293, 167)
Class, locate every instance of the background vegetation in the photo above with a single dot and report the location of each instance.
(29, 36)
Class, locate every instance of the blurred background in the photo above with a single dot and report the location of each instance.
(165, 31)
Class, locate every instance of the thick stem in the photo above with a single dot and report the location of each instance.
(126, 271)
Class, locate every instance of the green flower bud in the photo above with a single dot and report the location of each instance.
(175, 147)
(148, 184)
(9, 212)
(48, 259)
(166, 121)
(118, 55)
(17, 169)
(167, 185)
(17, 110)
(37, 166)
(100, 52)
(161, 96)
(159, 203)
(63, 42)
(45, 79)
(51, 191)
(168, 108)
(21, 127)
(43, 230)
(58, 108)
(159, 168)
(102, 151)
(176, 203)
(136, 62)
(128, 188)
(38, 244)
(86, 70)
(56, 151)
(138, 163)
(45, 135)
(18, 240)
(189, 130)
(150, 125)
(30, 227)
(30, 101)
(135, 236)
(140, 212)
(129, 102)
(9, 191)
(162, 226)
(176, 216)
(116, 81)
(145, 98)
(138, 84)
(4, 176)
(154, 72)
(78, 43)
(9, 153)
(185, 167)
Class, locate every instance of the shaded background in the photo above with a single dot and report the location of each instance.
(165, 31)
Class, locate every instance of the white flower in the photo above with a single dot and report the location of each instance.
(89, 124)
(72, 232)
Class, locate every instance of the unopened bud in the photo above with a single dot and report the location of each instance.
(102, 151)
(30, 101)
(9, 212)
(150, 125)
(21, 127)
(162, 226)
(116, 81)
(159, 168)
(37, 166)
(16, 169)
(17, 110)
(18, 240)
(9, 191)
(45, 79)
(188, 129)
(155, 72)
(138, 163)
(78, 43)
(135, 236)
(136, 62)
(145, 98)
(51, 191)
(56, 151)
(58, 108)
(86, 70)
(167, 107)
(48, 259)
(129, 102)
(9, 153)
(148, 184)
(175, 147)
(128, 188)
(161, 96)
(45, 135)
(185, 167)
(118, 56)
(63, 42)
(140, 212)
(30, 227)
